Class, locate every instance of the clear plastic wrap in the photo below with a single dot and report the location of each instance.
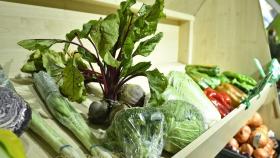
(184, 123)
(136, 133)
(182, 87)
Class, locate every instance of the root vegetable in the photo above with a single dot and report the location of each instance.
(262, 128)
(233, 144)
(260, 153)
(98, 112)
(258, 139)
(243, 135)
(246, 149)
(255, 121)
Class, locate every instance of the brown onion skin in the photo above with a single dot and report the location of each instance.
(246, 149)
(260, 153)
(263, 128)
(262, 141)
(233, 144)
(255, 121)
(243, 135)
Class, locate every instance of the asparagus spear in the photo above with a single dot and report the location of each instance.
(66, 114)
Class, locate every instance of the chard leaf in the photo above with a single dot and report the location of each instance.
(79, 63)
(86, 55)
(125, 16)
(158, 83)
(105, 35)
(81, 33)
(54, 63)
(69, 37)
(34, 63)
(146, 47)
(87, 28)
(73, 83)
(38, 44)
(137, 69)
(144, 25)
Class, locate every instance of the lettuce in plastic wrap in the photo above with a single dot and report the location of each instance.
(182, 87)
(136, 133)
(184, 123)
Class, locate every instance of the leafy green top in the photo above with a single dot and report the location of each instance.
(113, 39)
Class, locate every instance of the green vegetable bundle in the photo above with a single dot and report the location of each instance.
(66, 114)
(182, 87)
(244, 82)
(58, 143)
(184, 123)
(137, 133)
(204, 76)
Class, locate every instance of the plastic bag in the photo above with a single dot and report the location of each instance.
(182, 87)
(136, 133)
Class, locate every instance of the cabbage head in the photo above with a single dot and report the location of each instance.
(184, 123)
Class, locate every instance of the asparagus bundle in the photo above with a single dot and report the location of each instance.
(59, 144)
(63, 111)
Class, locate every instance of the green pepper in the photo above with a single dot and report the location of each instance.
(240, 78)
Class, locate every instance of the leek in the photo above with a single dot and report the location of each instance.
(59, 144)
(66, 114)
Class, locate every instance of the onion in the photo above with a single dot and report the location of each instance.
(260, 153)
(263, 128)
(233, 144)
(243, 135)
(255, 121)
(246, 149)
(14, 111)
(258, 139)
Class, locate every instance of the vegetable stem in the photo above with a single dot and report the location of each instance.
(94, 72)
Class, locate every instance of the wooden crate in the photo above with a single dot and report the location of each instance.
(218, 32)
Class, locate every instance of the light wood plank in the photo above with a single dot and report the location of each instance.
(230, 34)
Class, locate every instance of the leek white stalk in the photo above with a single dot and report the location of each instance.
(58, 143)
(67, 115)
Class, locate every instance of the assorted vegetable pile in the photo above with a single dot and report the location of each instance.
(254, 140)
(225, 90)
(109, 61)
(180, 107)
(67, 115)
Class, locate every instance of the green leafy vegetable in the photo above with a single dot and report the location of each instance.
(110, 59)
(184, 124)
(146, 47)
(34, 63)
(38, 44)
(137, 133)
(158, 84)
(182, 87)
(73, 83)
